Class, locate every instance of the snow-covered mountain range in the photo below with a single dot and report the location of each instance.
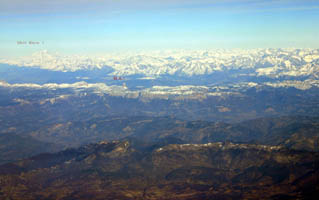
(164, 92)
(254, 62)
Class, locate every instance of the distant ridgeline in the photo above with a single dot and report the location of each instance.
(166, 68)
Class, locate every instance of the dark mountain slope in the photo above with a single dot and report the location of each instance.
(14, 147)
(117, 170)
(294, 132)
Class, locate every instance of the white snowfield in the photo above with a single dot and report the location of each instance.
(259, 62)
(165, 92)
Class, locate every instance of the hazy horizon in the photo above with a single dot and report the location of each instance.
(92, 27)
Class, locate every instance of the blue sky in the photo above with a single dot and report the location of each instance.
(97, 26)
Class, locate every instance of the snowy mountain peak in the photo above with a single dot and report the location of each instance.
(260, 62)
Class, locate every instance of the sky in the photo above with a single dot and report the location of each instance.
(98, 26)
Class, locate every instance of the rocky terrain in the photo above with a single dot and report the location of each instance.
(121, 170)
(216, 124)
(55, 117)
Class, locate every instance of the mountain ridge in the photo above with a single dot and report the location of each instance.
(116, 170)
(271, 62)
